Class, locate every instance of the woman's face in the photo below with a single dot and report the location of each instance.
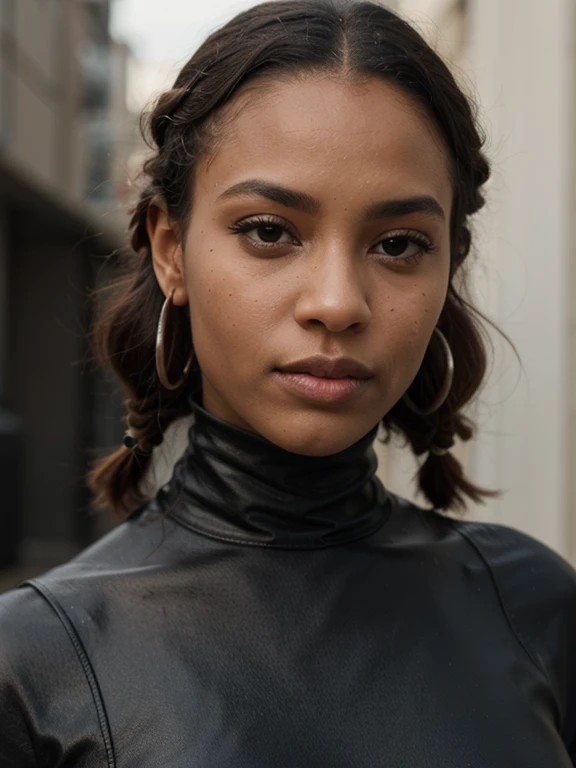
(319, 227)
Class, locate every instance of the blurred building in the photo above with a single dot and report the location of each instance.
(64, 136)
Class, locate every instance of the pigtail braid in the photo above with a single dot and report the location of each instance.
(441, 478)
(124, 340)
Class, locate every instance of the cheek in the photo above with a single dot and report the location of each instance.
(410, 321)
(229, 313)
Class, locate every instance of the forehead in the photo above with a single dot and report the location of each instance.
(333, 137)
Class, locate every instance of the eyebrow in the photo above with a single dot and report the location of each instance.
(308, 204)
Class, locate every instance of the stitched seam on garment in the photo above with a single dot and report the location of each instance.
(525, 645)
(45, 592)
(252, 543)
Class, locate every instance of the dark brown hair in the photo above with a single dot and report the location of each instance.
(279, 39)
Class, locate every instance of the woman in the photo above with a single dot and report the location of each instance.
(293, 281)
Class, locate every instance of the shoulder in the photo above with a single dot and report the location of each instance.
(522, 568)
(536, 584)
(48, 695)
(35, 658)
(31, 634)
(536, 587)
(30, 630)
(518, 560)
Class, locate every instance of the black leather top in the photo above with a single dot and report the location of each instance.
(271, 610)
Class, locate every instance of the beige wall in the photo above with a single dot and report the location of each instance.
(571, 452)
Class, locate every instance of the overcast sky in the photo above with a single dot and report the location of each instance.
(163, 34)
(173, 29)
(169, 29)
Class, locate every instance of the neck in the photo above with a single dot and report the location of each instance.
(232, 484)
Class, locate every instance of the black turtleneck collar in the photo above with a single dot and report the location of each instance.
(237, 486)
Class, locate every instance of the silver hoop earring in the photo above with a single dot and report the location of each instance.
(161, 364)
(443, 394)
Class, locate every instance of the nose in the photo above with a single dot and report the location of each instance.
(334, 292)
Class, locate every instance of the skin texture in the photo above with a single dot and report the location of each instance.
(330, 283)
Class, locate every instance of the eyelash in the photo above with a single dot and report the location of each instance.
(247, 225)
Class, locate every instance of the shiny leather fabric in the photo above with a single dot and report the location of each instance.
(270, 610)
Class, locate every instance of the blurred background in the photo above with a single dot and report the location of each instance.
(74, 76)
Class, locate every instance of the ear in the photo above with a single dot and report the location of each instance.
(167, 257)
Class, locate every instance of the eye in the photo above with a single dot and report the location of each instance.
(263, 232)
(405, 246)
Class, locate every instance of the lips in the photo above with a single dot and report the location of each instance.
(329, 368)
